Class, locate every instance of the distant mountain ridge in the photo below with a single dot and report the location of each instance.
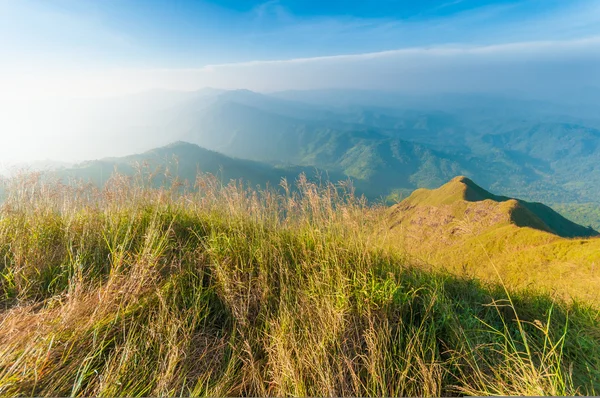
(537, 156)
(185, 160)
(390, 143)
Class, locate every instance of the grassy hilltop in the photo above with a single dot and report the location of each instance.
(135, 291)
(462, 228)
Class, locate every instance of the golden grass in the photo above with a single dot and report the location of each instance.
(224, 290)
(446, 231)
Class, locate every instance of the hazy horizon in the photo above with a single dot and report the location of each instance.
(60, 56)
(72, 130)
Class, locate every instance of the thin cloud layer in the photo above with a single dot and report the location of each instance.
(538, 67)
(93, 49)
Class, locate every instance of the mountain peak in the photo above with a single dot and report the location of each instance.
(180, 144)
(459, 188)
(460, 180)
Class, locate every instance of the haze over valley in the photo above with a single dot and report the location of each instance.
(388, 143)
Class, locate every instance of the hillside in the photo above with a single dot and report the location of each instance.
(132, 291)
(461, 191)
(582, 213)
(466, 229)
(185, 161)
(563, 153)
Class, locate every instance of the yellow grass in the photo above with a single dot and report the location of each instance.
(223, 290)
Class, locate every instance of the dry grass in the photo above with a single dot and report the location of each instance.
(463, 236)
(223, 290)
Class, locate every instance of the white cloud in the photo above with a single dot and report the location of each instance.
(533, 47)
(526, 65)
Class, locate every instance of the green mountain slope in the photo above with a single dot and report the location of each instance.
(379, 160)
(587, 214)
(566, 155)
(521, 213)
(185, 161)
(396, 149)
(466, 230)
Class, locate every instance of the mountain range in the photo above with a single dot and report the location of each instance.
(185, 161)
(406, 145)
(389, 144)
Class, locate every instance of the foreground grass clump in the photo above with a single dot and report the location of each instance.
(136, 291)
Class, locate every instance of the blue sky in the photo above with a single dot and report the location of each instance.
(192, 33)
(60, 43)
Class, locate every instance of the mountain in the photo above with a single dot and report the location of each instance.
(240, 130)
(382, 160)
(462, 228)
(185, 161)
(519, 147)
(377, 161)
(391, 143)
(463, 196)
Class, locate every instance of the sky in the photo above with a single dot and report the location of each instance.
(92, 48)
(73, 49)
